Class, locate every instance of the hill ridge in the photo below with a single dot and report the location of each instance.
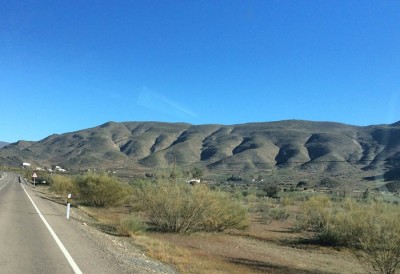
(249, 147)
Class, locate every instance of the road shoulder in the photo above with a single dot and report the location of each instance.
(93, 250)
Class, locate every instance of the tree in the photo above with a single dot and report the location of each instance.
(197, 173)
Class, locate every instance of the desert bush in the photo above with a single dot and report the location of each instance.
(179, 207)
(379, 244)
(131, 225)
(302, 184)
(274, 214)
(328, 182)
(251, 199)
(268, 210)
(293, 197)
(234, 178)
(316, 217)
(27, 173)
(278, 214)
(101, 190)
(335, 223)
(262, 205)
(239, 194)
(271, 191)
(223, 213)
(61, 184)
(197, 172)
(372, 230)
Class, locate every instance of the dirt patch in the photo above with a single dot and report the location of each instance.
(265, 252)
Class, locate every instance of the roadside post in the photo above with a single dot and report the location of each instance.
(68, 205)
(34, 176)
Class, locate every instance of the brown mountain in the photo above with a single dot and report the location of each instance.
(294, 145)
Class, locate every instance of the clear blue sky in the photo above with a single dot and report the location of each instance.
(71, 65)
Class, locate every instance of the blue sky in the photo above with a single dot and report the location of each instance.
(70, 65)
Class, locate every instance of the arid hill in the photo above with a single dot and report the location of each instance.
(2, 144)
(292, 144)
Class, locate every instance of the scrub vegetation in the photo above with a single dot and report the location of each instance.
(259, 229)
(183, 208)
(167, 205)
(370, 228)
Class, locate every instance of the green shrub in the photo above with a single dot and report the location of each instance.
(316, 217)
(101, 190)
(62, 184)
(180, 207)
(328, 182)
(222, 212)
(278, 214)
(293, 197)
(379, 244)
(131, 225)
(268, 211)
(263, 205)
(274, 214)
(271, 191)
(337, 224)
(371, 229)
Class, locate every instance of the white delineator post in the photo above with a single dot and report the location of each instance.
(68, 205)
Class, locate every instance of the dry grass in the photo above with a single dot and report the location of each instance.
(109, 216)
(264, 252)
(107, 220)
(185, 258)
(262, 248)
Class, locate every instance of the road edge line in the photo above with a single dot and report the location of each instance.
(66, 254)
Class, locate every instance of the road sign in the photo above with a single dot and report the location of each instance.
(34, 176)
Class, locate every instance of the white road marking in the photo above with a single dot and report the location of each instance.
(59, 243)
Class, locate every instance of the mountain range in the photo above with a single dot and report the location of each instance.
(303, 146)
(3, 144)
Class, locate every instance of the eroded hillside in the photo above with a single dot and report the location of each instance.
(303, 145)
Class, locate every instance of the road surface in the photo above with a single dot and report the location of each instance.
(35, 237)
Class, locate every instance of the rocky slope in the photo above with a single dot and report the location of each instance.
(304, 145)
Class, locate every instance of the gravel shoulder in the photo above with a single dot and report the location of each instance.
(123, 250)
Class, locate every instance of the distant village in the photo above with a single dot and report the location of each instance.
(52, 169)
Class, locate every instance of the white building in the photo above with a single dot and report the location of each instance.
(59, 169)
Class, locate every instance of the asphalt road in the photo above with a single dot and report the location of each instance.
(29, 245)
